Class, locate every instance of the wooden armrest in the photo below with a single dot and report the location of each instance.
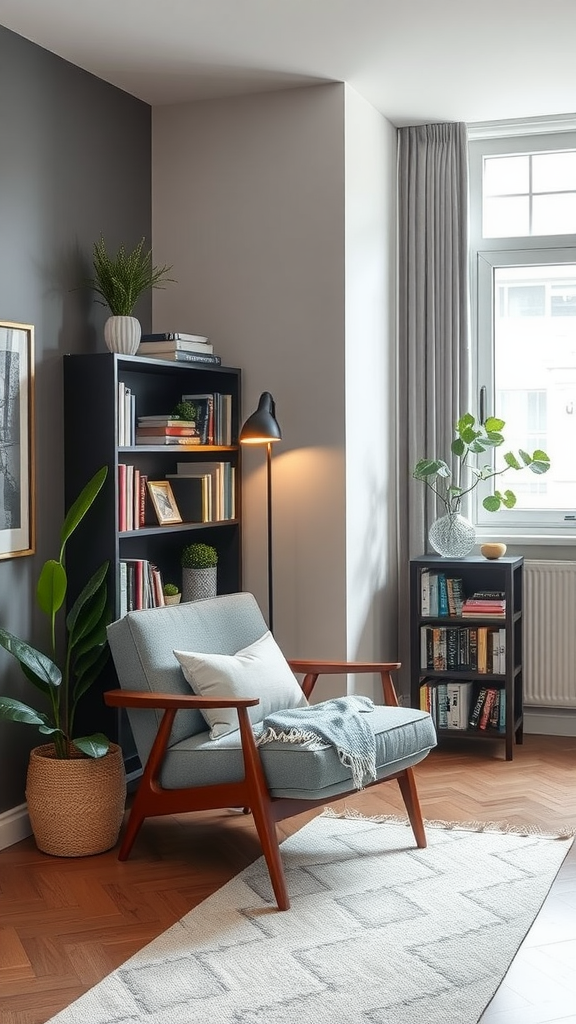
(312, 669)
(137, 699)
(334, 667)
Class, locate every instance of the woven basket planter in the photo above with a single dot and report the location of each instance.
(76, 806)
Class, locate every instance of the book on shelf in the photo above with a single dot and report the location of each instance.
(157, 430)
(477, 706)
(181, 356)
(221, 486)
(174, 336)
(164, 439)
(440, 595)
(487, 708)
(214, 416)
(479, 608)
(164, 421)
(177, 345)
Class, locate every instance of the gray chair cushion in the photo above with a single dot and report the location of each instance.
(404, 736)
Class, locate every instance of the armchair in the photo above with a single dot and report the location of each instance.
(184, 769)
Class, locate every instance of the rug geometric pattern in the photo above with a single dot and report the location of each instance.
(378, 932)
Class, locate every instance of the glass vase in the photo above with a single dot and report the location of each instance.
(452, 535)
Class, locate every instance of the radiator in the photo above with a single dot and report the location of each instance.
(549, 634)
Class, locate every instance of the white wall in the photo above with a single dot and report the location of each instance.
(370, 385)
(249, 205)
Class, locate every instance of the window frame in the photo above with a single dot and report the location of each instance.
(487, 254)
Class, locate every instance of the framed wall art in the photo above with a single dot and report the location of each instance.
(16, 439)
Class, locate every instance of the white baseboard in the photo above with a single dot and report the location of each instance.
(550, 721)
(14, 826)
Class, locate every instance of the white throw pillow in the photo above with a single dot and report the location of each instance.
(260, 670)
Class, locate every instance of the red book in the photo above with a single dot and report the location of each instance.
(487, 708)
(158, 431)
(121, 496)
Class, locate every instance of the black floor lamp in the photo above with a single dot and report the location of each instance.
(262, 428)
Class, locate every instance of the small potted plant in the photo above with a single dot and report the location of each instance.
(76, 786)
(172, 594)
(452, 534)
(120, 280)
(199, 571)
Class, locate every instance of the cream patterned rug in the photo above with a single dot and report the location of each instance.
(379, 932)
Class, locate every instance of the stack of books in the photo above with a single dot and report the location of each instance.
(490, 604)
(178, 348)
(166, 430)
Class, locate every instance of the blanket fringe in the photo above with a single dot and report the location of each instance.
(466, 826)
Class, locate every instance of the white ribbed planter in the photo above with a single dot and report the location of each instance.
(122, 334)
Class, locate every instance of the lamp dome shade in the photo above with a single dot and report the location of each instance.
(262, 426)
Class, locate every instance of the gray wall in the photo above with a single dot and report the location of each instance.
(277, 210)
(74, 163)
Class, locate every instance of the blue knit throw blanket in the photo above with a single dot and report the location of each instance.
(341, 722)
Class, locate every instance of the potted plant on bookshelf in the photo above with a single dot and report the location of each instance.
(199, 572)
(452, 534)
(75, 786)
(172, 595)
(120, 279)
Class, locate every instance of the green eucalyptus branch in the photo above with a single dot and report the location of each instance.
(472, 440)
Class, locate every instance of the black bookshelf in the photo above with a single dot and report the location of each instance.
(476, 573)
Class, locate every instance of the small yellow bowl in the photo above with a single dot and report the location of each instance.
(493, 550)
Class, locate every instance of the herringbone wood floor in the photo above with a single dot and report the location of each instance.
(65, 924)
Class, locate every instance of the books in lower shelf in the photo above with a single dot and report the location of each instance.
(140, 585)
(464, 705)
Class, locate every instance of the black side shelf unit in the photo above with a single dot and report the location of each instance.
(448, 648)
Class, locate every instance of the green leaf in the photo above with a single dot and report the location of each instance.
(88, 673)
(492, 503)
(51, 589)
(458, 447)
(493, 440)
(478, 445)
(431, 467)
(468, 434)
(89, 606)
(508, 499)
(525, 456)
(465, 421)
(540, 463)
(511, 460)
(493, 424)
(83, 502)
(14, 711)
(93, 746)
(38, 668)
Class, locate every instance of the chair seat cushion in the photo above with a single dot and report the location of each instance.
(404, 736)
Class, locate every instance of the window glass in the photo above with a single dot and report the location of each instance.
(523, 277)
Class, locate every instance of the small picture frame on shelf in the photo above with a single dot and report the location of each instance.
(164, 502)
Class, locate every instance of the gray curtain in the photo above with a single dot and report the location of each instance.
(433, 322)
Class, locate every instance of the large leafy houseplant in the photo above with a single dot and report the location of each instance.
(86, 648)
(121, 278)
(471, 441)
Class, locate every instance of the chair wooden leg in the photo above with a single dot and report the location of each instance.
(135, 819)
(266, 828)
(407, 784)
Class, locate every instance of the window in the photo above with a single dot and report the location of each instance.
(523, 277)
